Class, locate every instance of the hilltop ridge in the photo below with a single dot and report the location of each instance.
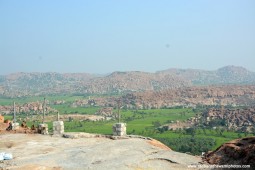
(225, 75)
(34, 84)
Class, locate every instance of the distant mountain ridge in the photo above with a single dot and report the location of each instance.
(222, 76)
(33, 84)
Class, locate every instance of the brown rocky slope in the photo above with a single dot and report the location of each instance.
(236, 152)
(192, 96)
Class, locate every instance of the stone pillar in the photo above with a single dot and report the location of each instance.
(43, 129)
(58, 116)
(43, 110)
(14, 113)
(15, 126)
(119, 129)
(58, 127)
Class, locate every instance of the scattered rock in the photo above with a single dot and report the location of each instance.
(236, 152)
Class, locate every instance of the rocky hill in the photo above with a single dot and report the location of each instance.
(28, 108)
(30, 84)
(224, 75)
(33, 84)
(236, 153)
(119, 82)
(234, 119)
(192, 96)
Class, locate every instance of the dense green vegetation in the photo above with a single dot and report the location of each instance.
(189, 144)
(205, 139)
(146, 123)
(66, 109)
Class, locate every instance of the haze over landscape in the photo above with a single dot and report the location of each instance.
(107, 36)
(127, 84)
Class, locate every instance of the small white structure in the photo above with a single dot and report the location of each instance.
(58, 127)
(43, 129)
(15, 126)
(119, 129)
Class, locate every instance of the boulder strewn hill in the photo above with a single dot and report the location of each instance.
(192, 96)
(236, 119)
(34, 84)
(119, 82)
(28, 108)
(236, 152)
(224, 75)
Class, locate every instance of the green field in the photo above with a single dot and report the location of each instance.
(66, 109)
(137, 121)
(145, 122)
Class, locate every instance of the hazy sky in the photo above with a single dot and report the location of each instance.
(101, 36)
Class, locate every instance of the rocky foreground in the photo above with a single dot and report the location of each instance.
(91, 151)
(236, 152)
(87, 151)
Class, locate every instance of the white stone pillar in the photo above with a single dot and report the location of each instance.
(58, 127)
(15, 126)
(43, 129)
(119, 129)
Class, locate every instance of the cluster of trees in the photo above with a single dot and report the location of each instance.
(217, 122)
(193, 145)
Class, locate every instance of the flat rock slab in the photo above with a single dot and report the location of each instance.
(34, 151)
